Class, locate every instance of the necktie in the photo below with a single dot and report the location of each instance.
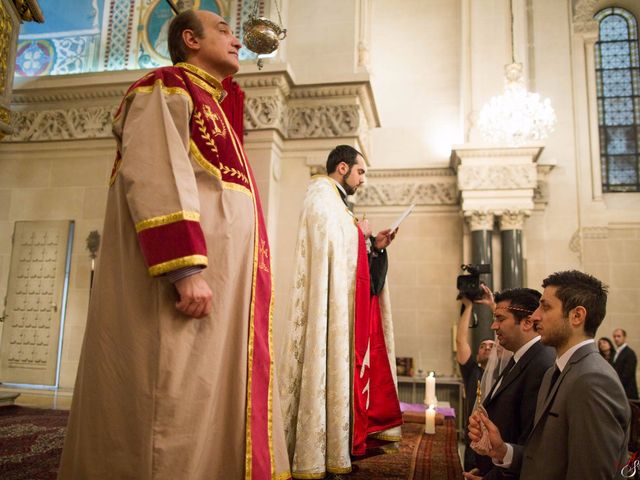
(508, 368)
(504, 373)
(554, 377)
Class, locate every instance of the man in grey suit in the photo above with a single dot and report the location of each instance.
(581, 426)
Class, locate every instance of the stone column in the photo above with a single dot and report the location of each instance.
(511, 224)
(481, 225)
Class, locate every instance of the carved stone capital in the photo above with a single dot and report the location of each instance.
(513, 220)
(583, 12)
(323, 121)
(496, 177)
(478, 220)
(264, 112)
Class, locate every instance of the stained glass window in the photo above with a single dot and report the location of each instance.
(618, 88)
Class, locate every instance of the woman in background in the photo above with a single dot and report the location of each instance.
(607, 350)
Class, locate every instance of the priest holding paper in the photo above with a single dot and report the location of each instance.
(338, 383)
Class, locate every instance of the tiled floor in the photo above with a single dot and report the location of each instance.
(56, 399)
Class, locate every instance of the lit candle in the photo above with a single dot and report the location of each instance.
(430, 390)
(430, 420)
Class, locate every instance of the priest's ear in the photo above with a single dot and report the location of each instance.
(342, 168)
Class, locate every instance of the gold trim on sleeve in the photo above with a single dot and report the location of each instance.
(190, 261)
(282, 476)
(167, 219)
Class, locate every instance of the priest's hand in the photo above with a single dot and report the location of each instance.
(195, 296)
(365, 228)
(498, 447)
(384, 238)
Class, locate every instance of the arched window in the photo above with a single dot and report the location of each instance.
(618, 87)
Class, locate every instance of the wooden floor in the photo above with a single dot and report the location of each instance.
(55, 399)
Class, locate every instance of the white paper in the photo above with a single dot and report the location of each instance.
(404, 215)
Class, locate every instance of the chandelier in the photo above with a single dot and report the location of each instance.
(517, 116)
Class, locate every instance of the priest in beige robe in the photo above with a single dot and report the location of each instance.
(176, 373)
(338, 385)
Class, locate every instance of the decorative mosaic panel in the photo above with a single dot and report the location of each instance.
(100, 35)
(118, 34)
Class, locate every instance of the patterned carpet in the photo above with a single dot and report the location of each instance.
(420, 457)
(30, 442)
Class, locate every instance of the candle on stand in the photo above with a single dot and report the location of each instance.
(430, 390)
(430, 420)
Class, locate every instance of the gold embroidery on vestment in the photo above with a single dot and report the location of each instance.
(210, 84)
(189, 261)
(264, 254)
(167, 219)
(204, 134)
(213, 170)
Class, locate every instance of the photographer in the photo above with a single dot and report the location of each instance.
(471, 368)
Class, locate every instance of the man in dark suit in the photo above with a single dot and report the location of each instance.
(625, 363)
(511, 403)
(582, 416)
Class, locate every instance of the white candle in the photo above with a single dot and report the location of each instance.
(430, 420)
(430, 390)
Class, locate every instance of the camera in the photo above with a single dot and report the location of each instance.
(469, 284)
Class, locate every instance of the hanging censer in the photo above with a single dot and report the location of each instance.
(261, 35)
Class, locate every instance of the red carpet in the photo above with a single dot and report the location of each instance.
(30, 442)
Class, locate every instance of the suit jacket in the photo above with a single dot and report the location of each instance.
(513, 404)
(625, 365)
(581, 427)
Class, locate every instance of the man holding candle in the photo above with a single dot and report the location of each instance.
(471, 367)
(511, 402)
(338, 381)
(582, 416)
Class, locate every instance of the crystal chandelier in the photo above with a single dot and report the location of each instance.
(517, 116)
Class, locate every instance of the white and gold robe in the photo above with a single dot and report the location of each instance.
(316, 375)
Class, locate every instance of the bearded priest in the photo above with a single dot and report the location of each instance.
(338, 384)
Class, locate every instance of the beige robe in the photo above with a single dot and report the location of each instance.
(160, 395)
(317, 362)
